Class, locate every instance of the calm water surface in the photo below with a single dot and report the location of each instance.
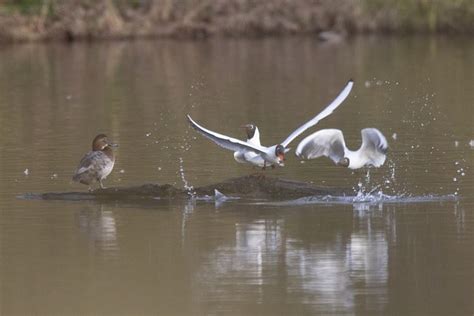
(199, 258)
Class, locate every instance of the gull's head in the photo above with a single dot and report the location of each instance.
(249, 130)
(280, 154)
(344, 162)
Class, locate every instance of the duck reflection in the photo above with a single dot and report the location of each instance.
(99, 225)
(327, 270)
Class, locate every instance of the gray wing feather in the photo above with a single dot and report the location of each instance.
(225, 141)
(327, 142)
(90, 166)
(374, 146)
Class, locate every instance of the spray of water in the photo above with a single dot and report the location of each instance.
(187, 186)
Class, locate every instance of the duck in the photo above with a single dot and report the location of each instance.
(272, 155)
(97, 164)
(330, 143)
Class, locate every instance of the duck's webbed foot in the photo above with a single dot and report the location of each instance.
(101, 184)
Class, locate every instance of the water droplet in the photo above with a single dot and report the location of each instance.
(26, 172)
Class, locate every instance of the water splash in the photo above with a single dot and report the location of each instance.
(363, 201)
(187, 186)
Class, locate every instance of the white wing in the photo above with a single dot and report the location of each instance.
(324, 113)
(225, 141)
(255, 140)
(374, 146)
(326, 142)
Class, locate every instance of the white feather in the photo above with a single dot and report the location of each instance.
(330, 143)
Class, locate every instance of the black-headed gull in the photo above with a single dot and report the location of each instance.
(330, 143)
(247, 156)
(273, 155)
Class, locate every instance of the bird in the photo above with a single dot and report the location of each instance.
(97, 164)
(330, 143)
(273, 155)
(246, 156)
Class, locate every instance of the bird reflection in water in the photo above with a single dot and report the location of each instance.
(99, 225)
(326, 274)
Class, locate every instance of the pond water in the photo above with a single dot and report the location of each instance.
(405, 246)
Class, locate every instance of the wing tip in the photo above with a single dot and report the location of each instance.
(350, 83)
(190, 120)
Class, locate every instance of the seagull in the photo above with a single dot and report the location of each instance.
(330, 143)
(97, 164)
(247, 156)
(273, 155)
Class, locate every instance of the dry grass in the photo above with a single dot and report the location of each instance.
(22, 20)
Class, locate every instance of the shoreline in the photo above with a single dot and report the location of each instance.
(68, 21)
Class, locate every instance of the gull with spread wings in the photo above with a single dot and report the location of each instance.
(330, 143)
(273, 155)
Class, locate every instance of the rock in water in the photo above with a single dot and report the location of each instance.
(255, 186)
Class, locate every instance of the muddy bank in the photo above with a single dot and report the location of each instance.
(122, 19)
(256, 186)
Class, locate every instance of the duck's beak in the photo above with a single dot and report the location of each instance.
(113, 145)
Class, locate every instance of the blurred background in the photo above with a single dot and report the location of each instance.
(401, 244)
(23, 20)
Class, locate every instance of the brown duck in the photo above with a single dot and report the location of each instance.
(97, 164)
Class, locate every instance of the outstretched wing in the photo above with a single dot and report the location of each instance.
(255, 140)
(326, 142)
(225, 141)
(374, 146)
(324, 113)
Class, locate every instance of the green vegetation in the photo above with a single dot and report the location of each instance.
(23, 6)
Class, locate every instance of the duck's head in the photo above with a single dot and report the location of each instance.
(249, 130)
(101, 142)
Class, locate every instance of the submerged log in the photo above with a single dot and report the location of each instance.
(256, 186)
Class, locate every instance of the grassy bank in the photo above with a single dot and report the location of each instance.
(23, 20)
